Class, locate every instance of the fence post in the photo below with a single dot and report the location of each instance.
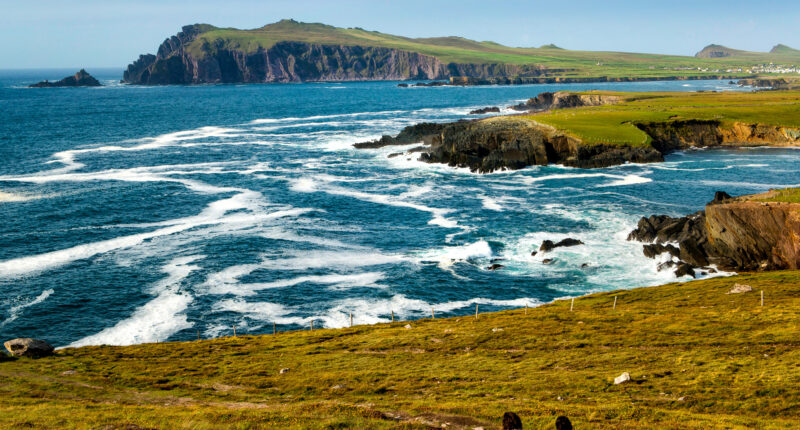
(762, 297)
(433, 316)
(392, 315)
(234, 331)
(198, 334)
(476, 311)
(351, 319)
(274, 329)
(312, 325)
(572, 304)
(615, 302)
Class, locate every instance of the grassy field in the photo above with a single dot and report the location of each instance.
(583, 64)
(698, 358)
(614, 124)
(788, 195)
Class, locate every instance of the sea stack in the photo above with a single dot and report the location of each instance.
(80, 79)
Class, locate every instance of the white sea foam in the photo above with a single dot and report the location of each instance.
(490, 203)
(157, 319)
(15, 311)
(332, 281)
(14, 197)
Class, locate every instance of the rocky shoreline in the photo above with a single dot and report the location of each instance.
(80, 79)
(748, 233)
(511, 142)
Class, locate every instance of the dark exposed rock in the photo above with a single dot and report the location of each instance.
(665, 265)
(511, 421)
(548, 245)
(80, 79)
(27, 347)
(533, 253)
(547, 260)
(563, 423)
(684, 270)
(511, 143)
(482, 111)
(495, 267)
(422, 132)
(654, 249)
(431, 84)
(402, 85)
(732, 233)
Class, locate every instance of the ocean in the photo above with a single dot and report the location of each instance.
(147, 214)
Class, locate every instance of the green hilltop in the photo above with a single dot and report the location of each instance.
(460, 50)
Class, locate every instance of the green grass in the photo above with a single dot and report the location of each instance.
(788, 195)
(583, 64)
(614, 124)
(698, 358)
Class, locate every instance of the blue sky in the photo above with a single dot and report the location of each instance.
(111, 33)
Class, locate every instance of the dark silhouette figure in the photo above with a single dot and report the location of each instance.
(511, 421)
(563, 423)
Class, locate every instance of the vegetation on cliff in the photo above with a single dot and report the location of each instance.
(698, 358)
(291, 51)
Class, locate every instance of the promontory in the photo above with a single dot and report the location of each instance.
(291, 51)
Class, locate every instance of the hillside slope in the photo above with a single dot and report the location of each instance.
(698, 358)
(290, 51)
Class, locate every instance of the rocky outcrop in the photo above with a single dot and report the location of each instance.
(686, 134)
(549, 245)
(419, 133)
(565, 99)
(484, 111)
(80, 79)
(512, 143)
(745, 233)
(770, 83)
(27, 347)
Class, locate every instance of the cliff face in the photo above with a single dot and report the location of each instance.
(283, 62)
(500, 143)
(742, 233)
(677, 135)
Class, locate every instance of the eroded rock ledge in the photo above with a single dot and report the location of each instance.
(745, 233)
(511, 142)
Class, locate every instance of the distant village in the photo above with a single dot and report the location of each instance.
(761, 68)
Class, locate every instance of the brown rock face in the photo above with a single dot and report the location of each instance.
(677, 135)
(755, 235)
(733, 233)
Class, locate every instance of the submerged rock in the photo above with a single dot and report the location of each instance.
(418, 133)
(27, 347)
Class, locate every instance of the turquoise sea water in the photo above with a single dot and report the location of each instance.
(141, 214)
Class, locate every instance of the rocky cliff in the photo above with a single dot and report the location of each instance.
(282, 62)
(80, 79)
(744, 233)
(512, 143)
(686, 134)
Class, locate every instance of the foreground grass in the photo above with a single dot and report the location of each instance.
(698, 358)
(615, 124)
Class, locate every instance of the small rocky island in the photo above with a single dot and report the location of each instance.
(80, 79)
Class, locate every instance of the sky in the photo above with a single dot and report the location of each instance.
(112, 33)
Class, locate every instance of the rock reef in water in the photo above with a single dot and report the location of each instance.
(80, 79)
(745, 233)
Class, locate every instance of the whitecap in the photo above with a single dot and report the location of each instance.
(15, 311)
